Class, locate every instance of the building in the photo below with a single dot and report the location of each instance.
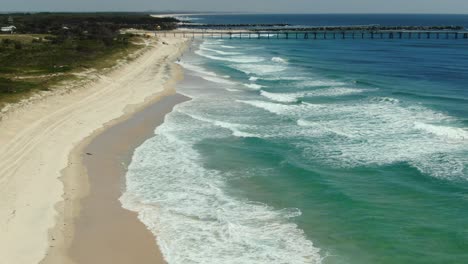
(9, 29)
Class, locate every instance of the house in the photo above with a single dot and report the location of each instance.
(9, 29)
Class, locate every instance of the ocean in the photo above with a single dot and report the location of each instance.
(303, 151)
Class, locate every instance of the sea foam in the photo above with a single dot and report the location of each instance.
(236, 129)
(451, 133)
(253, 86)
(278, 60)
(377, 133)
(219, 51)
(237, 59)
(207, 75)
(282, 97)
(193, 218)
(294, 97)
(259, 69)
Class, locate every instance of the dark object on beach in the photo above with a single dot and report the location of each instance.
(165, 43)
(89, 154)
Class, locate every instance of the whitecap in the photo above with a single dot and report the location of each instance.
(339, 91)
(294, 97)
(205, 74)
(220, 51)
(386, 100)
(386, 133)
(259, 69)
(281, 97)
(279, 109)
(237, 59)
(218, 80)
(253, 86)
(316, 83)
(371, 132)
(286, 78)
(278, 60)
(236, 129)
(451, 133)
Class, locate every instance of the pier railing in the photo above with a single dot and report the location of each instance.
(317, 35)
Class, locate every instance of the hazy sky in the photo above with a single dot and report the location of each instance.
(272, 6)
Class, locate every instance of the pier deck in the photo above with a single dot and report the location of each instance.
(315, 35)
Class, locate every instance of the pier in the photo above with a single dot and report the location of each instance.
(316, 35)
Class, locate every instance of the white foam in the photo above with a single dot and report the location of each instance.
(279, 109)
(386, 100)
(193, 218)
(187, 18)
(259, 69)
(205, 74)
(278, 60)
(338, 91)
(322, 128)
(237, 59)
(315, 83)
(304, 81)
(218, 80)
(377, 133)
(236, 129)
(253, 86)
(232, 90)
(452, 133)
(220, 51)
(294, 97)
(281, 97)
(287, 78)
(227, 47)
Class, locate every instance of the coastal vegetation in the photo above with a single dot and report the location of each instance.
(48, 48)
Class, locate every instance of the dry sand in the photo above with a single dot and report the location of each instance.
(35, 145)
(103, 231)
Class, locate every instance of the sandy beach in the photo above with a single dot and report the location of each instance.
(46, 191)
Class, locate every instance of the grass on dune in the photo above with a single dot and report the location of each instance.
(31, 63)
(50, 47)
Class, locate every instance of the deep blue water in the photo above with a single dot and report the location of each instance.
(336, 19)
(303, 151)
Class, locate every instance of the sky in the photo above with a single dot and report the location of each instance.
(264, 6)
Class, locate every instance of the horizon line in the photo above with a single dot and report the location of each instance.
(169, 12)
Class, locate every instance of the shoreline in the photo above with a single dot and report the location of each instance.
(97, 229)
(91, 231)
(40, 141)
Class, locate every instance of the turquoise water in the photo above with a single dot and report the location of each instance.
(295, 151)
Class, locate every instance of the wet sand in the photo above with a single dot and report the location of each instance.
(104, 232)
